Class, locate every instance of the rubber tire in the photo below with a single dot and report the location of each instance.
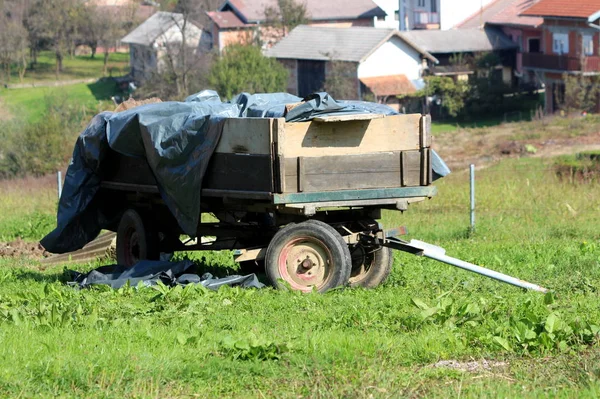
(379, 271)
(147, 238)
(332, 239)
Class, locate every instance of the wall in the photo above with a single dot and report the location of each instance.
(142, 60)
(454, 12)
(390, 7)
(292, 67)
(392, 58)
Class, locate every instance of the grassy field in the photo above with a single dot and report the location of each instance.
(387, 342)
(77, 67)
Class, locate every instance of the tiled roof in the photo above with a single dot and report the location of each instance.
(459, 40)
(225, 19)
(342, 44)
(502, 12)
(254, 10)
(564, 8)
(389, 85)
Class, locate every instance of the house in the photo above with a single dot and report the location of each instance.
(436, 14)
(392, 17)
(161, 36)
(237, 20)
(523, 30)
(381, 62)
(569, 44)
(454, 48)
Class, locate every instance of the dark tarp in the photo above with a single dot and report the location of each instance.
(177, 139)
(151, 272)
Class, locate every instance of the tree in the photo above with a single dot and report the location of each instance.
(451, 94)
(581, 93)
(56, 23)
(244, 68)
(340, 80)
(280, 20)
(13, 47)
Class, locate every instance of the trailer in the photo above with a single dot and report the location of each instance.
(303, 199)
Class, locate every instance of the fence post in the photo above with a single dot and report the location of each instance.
(472, 170)
(59, 183)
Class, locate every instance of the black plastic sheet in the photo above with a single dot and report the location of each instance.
(151, 272)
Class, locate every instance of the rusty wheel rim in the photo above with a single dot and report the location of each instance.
(305, 263)
(362, 260)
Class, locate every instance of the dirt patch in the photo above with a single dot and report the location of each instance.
(489, 145)
(20, 248)
(471, 367)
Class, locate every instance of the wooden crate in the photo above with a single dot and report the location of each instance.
(326, 154)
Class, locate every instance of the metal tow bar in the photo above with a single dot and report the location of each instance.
(421, 248)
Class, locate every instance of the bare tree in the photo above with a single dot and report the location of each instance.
(56, 23)
(284, 17)
(13, 44)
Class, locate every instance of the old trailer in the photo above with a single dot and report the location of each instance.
(303, 199)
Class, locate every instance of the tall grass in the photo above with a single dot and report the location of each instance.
(346, 343)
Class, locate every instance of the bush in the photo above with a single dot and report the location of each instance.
(244, 68)
(41, 147)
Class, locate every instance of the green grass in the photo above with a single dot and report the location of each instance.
(57, 341)
(29, 104)
(77, 67)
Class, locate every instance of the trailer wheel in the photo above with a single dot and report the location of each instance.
(308, 256)
(371, 266)
(136, 240)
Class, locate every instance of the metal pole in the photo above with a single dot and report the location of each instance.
(59, 183)
(482, 270)
(472, 170)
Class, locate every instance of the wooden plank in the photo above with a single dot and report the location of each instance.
(346, 118)
(239, 172)
(238, 194)
(313, 139)
(279, 139)
(425, 131)
(424, 165)
(351, 195)
(246, 136)
(411, 168)
(344, 172)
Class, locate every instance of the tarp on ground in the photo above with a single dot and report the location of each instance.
(152, 272)
(177, 139)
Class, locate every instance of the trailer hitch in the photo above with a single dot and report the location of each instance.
(421, 248)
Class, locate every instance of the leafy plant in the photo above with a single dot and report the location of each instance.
(252, 347)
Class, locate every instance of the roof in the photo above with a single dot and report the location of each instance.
(459, 40)
(342, 44)
(225, 19)
(502, 12)
(588, 9)
(149, 30)
(389, 85)
(254, 10)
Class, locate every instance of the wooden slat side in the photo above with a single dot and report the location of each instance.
(246, 136)
(343, 172)
(239, 172)
(313, 139)
(411, 168)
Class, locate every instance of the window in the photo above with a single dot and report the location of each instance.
(433, 5)
(380, 18)
(588, 45)
(534, 45)
(396, 15)
(560, 43)
(421, 3)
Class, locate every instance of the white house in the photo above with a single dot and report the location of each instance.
(159, 37)
(437, 14)
(381, 62)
